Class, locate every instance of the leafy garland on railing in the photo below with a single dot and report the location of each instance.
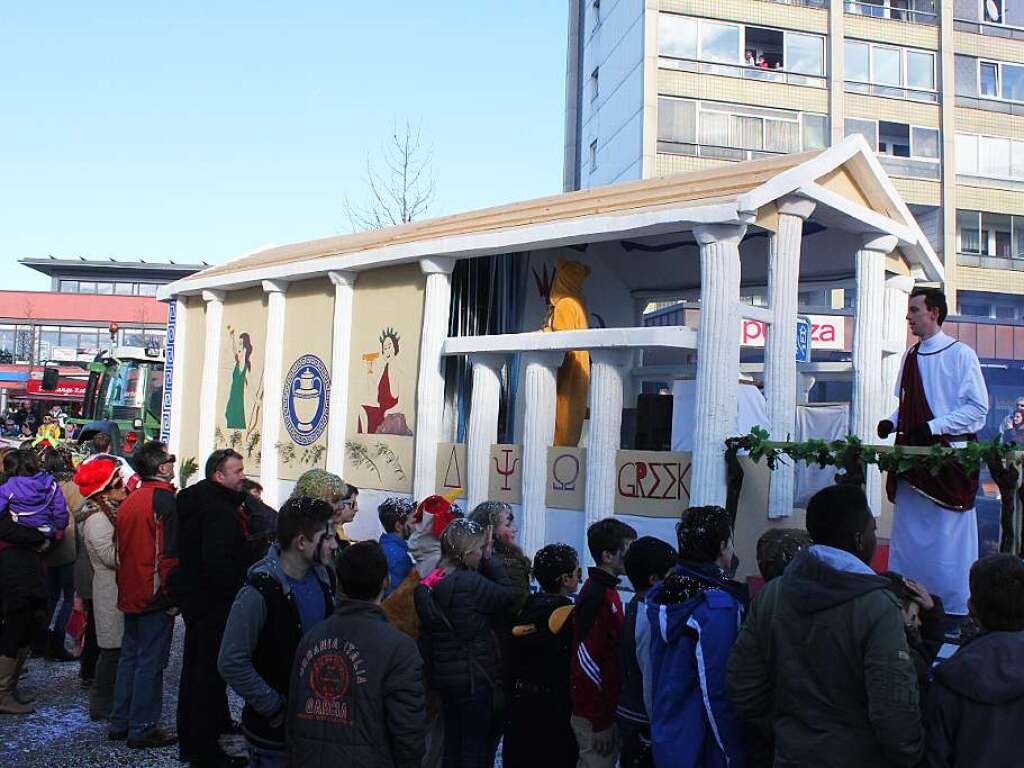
(845, 453)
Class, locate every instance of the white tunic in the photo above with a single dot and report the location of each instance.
(932, 545)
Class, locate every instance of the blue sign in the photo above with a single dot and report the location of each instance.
(165, 407)
(304, 401)
(803, 340)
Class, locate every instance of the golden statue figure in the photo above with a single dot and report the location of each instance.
(568, 312)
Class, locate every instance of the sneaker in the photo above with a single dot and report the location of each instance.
(154, 738)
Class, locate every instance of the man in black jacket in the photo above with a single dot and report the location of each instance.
(356, 694)
(214, 555)
(287, 594)
(976, 704)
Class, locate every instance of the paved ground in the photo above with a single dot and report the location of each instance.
(60, 733)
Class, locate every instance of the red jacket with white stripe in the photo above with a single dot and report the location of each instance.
(144, 538)
(597, 636)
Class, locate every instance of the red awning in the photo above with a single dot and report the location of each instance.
(67, 389)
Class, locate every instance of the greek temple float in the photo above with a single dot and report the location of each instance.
(579, 355)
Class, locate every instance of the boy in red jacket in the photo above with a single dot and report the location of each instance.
(143, 565)
(597, 637)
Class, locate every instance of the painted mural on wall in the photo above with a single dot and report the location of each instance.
(306, 386)
(240, 381)
(387, 314)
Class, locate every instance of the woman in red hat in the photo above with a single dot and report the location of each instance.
(99, 481)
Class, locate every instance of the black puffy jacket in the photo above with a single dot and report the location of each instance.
(467, 602)
(356, 695)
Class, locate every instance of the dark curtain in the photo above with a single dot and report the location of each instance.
(486, 299)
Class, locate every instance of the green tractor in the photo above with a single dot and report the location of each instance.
(124, 395)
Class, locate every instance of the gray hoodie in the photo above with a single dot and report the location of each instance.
(242, 635)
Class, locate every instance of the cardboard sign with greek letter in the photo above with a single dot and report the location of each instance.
(505, 473)
(451, 468)
(566, 474)
(652, 483)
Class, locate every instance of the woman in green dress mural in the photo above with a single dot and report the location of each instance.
(234, 414)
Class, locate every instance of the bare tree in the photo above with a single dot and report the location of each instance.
(399, 184)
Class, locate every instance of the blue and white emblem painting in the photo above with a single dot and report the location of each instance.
(304, 402)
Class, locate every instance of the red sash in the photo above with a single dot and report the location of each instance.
(953, 488)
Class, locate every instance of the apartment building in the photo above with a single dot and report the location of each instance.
(664, 86)
(656, 87)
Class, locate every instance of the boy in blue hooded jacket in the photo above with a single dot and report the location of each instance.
(695, 616)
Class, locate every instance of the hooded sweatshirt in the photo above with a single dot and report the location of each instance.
(822, 660)
(976, 704)
(36, 502)
(693, 625)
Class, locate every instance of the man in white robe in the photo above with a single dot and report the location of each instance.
(943, 400)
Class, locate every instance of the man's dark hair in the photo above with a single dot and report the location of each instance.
(934, 298)
(646, 557)
(23, 462)
(836, 513)
(101, 442)
(392, 510)
(362, 569)
(58, 464)
(552, 563)
(776, 549)
(218, 459)
(304, 515)
(608, 535)
(700, 533)
(997, 593)
(248, 486)
(149, 457)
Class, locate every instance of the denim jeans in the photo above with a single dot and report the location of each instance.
(139, 691)
(259, 757)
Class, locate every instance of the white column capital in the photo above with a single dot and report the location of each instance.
(275, 286)
(342, 277)
(884, 244)
(901, 283)
(618, 358)
(706, 234)
(437, 265)
(794, 205)
(490, 360)
(547, 359)
(213, 295)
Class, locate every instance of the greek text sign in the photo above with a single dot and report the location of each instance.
(505, 474)
(652, 483)
(451, 468)
(565, 479)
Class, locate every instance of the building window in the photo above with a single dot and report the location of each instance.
(890, 70)
(993, 11)
(989, 79)
(719, 42)
(998, 306)
(735, 132)
(69, 286)
(593, 155)
(147, 289)
(86, 287)
(921, 70)
(905, 150)
(124, 289)
(990, 157)
(594, 84)
(677, 36)
(886, 67)
(107, 289)
(997, 235)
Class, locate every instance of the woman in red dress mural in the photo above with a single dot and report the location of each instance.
(381, 419)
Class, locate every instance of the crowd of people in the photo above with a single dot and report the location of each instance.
(442, 642)
(27, 422)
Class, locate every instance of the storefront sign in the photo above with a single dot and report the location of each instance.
(67, 389)
(652, 483)
(451, 468)
(505, 475)
(566, 475)
(828, 332)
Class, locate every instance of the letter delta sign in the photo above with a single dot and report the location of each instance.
(827, 332)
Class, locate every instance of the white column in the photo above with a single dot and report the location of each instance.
(780, 349)
(868, 335)
(207, 405)
(482, 430)
(538, 391)
(273, 376)
(718, 358)
(897, 294)
(604, 437)
(341, 343)
(178, 376)
(430, 383)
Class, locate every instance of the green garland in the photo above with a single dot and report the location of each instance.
(838, 453)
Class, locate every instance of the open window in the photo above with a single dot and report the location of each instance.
(893, 139)
(764, 48)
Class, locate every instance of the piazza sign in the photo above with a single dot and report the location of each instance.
(827, 332)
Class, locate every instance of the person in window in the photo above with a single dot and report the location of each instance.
(750, 59)
(762, 62)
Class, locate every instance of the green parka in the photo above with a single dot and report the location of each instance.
(822, 660)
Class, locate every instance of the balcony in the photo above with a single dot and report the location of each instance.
(991, 105)
(823, 4)
(911, 168)
(892, 92)
(713, 151)
(986, 28)
(910, 11)
(743, 71)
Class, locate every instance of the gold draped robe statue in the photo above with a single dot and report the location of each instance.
(568, 312)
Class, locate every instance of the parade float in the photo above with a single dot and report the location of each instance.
(505, 351)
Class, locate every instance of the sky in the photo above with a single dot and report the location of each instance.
(200, 131)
